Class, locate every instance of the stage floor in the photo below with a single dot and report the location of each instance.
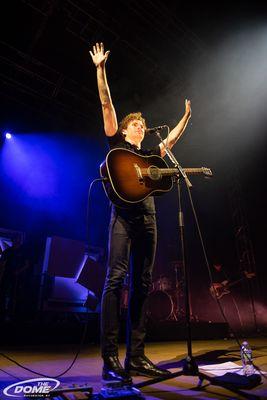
(53, 360)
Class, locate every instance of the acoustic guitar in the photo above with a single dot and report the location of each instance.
(131, 178)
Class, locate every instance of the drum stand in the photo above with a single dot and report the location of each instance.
(189, 365)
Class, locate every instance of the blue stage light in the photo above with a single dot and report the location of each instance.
(8, 135)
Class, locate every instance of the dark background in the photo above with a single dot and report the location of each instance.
(162, 52)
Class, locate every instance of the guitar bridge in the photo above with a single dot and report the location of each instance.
(139, 173)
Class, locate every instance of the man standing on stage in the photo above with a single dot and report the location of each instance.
(132, 233)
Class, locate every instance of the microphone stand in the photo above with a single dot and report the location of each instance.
(189, 365)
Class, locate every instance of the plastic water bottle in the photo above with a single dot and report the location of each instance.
(246, 357)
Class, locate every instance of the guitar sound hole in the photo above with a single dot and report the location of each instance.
(154, 173)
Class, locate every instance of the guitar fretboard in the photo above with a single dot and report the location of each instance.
(175, 171)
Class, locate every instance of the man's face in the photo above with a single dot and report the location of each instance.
(218, 267)
(135, 131)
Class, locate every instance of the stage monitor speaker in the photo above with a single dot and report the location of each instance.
(92, 276)
(63, 257)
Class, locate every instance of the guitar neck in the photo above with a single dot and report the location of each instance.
(189, 171)
(235, 282)
(174, 171)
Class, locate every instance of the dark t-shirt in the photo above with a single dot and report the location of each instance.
(146, 206)
(219, 276)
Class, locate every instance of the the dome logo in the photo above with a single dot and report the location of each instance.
(39, 387)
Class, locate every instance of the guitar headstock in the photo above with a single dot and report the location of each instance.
(207, 171)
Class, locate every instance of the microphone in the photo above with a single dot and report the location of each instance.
(155, 129)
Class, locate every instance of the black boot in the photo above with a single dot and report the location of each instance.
(141, 365)
(114, 371)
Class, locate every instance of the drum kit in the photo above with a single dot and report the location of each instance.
(163, 300)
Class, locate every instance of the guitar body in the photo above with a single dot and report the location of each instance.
(131, 178)
(219, 290)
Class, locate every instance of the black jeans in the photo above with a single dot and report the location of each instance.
(132, 237)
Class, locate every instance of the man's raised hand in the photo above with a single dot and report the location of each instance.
(99, 56)
(188, 111)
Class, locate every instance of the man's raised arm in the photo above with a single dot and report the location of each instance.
(178, 130)
(99, 57)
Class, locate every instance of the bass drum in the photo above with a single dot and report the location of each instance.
(160, 306)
